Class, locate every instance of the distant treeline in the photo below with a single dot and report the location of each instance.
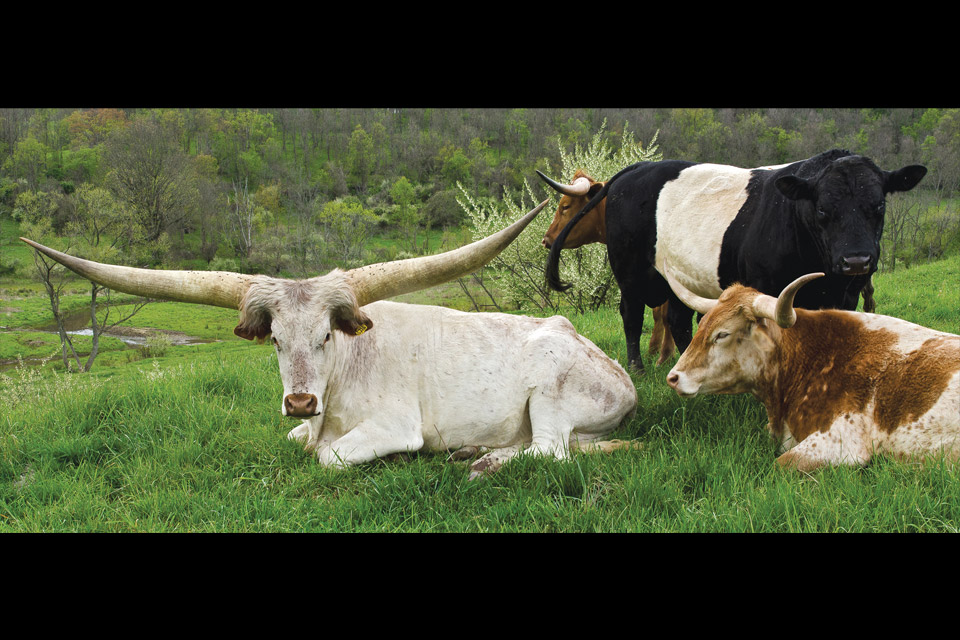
(258, 185)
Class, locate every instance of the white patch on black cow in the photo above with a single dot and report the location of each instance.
(693, 213)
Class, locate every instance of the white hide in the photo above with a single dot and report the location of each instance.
(693, 213)
(427, 377)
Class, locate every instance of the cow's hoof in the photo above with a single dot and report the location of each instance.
(464, 453)
(482, 467)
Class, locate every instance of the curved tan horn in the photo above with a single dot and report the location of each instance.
(387, 279)
(580, 186)
(689, 298)
(780, 309)
(216, 288)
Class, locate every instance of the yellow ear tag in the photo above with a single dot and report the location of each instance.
(361, 329)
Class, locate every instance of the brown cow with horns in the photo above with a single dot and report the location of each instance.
(838, 386)
(593, 228)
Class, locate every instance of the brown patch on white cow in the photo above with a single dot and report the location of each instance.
(816, 385)
(911, 385)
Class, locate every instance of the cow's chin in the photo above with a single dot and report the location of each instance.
(687, 388)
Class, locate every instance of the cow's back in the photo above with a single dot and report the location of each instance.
(896, 382)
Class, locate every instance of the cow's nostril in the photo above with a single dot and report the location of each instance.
(672, 379)
(855, 265)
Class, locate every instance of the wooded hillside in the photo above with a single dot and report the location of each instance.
(263, 189)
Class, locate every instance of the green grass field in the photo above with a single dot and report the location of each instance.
(194, 442)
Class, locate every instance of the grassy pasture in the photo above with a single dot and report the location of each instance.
(194, 442)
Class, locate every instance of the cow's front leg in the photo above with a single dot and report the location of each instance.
(307, 433)
(492, 461)
(370, 440)
(843, 444)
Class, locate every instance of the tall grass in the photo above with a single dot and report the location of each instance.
(194, 442)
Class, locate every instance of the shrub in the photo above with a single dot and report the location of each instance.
(520, 267)
(156, 345)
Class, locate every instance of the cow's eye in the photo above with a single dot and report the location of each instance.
(821, 213)
(720, 336)
(326, 339)
(275, 343)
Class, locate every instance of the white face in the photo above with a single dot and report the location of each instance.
(301, 344)
(727, 355)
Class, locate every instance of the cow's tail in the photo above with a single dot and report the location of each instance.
(553, 260)
(869, 304)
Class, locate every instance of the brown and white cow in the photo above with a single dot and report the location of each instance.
(593, 228)
(838, 386)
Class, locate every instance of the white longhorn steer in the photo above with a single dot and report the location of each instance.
(373, 378)
(838, 386)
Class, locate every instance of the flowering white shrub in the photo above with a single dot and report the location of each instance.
(519, 269)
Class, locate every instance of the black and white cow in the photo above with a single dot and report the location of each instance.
(764, 227)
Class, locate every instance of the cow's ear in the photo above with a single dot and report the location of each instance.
(795, 188)
(596, 186)
(903, 179)
(253, 326)
(352, 322)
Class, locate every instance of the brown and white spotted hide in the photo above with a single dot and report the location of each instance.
(838, 386)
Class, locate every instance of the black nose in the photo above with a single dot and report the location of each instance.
(855, 265)
(300, 405)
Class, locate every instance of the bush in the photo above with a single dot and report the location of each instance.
(156, 345)
(520, 267)
(442, 210)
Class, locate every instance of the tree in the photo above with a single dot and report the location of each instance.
(151, 174)
(455, 166)
(91, 127)
(99, 229)
(29, 160)
(406, 216)
(243, 219)
(360, 157)
(107, 231)
(345, 226)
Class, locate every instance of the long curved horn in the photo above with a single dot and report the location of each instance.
(689, 298)
(217, 288)
(580, 186)
(780, 309)
(387, 279)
